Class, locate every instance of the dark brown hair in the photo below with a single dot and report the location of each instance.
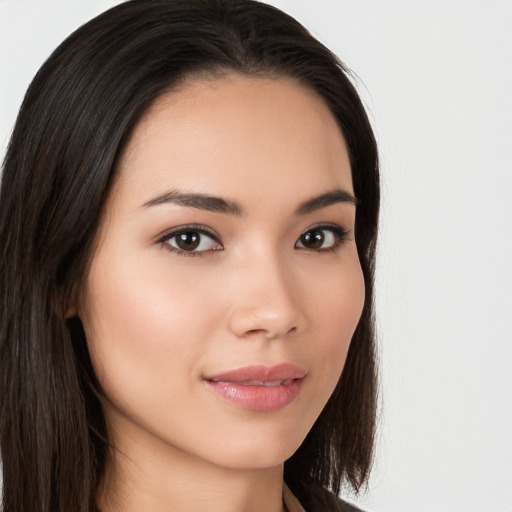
(71, 129)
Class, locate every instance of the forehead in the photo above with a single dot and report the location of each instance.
(236, 133)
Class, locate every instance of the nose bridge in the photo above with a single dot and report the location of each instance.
(265, 304)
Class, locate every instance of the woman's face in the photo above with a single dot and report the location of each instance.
(225, 286)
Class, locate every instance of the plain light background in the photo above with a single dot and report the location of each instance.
(436, 77)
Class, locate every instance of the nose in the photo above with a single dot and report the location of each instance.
(266, 302)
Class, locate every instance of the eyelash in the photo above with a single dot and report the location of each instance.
(341, 235)
(192, 228)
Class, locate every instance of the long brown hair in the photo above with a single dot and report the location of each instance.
(72, 126)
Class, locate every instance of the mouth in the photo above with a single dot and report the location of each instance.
(270, 383)
(257, 387)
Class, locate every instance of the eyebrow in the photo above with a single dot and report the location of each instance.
(196, 200)
(337, 195)
(226, 206)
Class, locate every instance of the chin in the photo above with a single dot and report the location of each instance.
(262, 448)
(254, 459)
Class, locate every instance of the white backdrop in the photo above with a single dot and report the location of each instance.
(437, 79)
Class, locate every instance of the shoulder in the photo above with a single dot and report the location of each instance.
(318, 500)
(332, 503)
(348, 507)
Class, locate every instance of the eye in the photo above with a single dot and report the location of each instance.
(191, 240)
(322, 238)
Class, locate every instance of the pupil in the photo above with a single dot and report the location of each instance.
(313, 239)
(188, 240)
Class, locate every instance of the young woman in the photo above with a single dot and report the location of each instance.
(188, 221)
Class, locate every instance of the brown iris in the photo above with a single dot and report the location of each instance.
(312, 239)
(188, 240)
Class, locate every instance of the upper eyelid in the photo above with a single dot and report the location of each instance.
(329, 225)
(324, 225)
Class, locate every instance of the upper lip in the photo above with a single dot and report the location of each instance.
(260, 373)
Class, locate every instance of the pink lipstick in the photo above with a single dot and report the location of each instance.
(257, 387)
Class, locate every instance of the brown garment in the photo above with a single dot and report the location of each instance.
(292, 504)
(290, 501)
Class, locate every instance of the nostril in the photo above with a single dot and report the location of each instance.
(255, 332)
(267, 333)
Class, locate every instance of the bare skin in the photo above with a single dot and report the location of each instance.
(181, 289)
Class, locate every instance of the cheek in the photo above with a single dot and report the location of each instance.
(337, 308)
(141, 324)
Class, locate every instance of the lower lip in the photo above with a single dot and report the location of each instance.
(257, 398)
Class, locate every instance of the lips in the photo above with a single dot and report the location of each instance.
(261, 382)
(258, 387)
